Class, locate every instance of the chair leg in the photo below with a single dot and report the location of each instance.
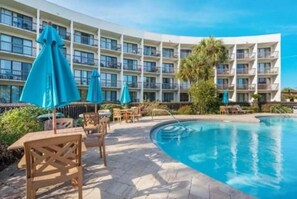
(104, 154)
(80, 182)
(100, 151)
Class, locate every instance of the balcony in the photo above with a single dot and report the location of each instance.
(66, 36)
(110, 84)
(134, 85)
(110, 46)
(169, 86)
(267, 87)
(113, 65)
(17, 22)
(17, 48)
(85, 40)
(245, 56)
(225, 87)
(85, 61)
(17, 75)
(268, 71)
(225, 72)
(168, 70)
(268, 55)
(152, 53)
(151, 85)
(133, 51)
(245, 71)
(136, 68)
(173, 55)
(151, 69)
(245, 87)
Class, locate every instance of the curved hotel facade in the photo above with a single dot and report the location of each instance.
(146, 61)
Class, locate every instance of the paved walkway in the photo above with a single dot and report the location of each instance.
(136, 169)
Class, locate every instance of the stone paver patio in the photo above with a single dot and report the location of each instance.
(136, 169)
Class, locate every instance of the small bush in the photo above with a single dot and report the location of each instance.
(17, 122)
(185, 110)
(147, 108)
(278, 108)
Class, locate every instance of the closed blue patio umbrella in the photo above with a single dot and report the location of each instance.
(225, 97)
(125, 95)
(50, 83)
(94, 90)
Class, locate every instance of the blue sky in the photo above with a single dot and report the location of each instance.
(217, 18)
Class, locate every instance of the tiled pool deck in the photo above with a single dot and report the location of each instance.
(136, 169)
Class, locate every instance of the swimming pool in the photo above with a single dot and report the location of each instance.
(258, 159)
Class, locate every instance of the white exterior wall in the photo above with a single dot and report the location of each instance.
(76, 21)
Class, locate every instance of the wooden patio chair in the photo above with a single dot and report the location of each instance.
(224, 110)
(61, 123)
(91, 122)
(117, 114)
(98, 139)
(51, 161)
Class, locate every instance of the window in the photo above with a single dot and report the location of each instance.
(184, 97)
(110, 44)
(168, 83)
(242, 83)
(150, 66)
(185, 53)
(109, 96)
(264, 68)
(222, 68)
(15, 19)
(16, 45)
(149, 82)
(242, 69)
(264, 52)
(10, 94)
(168, 52)
(108, 80)
(242, 53)
(130, 48)
(84, 38)
(168, 68)
(131, 80)
(84, 57)
(242, 97)
(149, 96)
(150, 51)
(167, 97)
(14, 69)
(82, 77)
(130, 64)
(109, 62)
(133, 96)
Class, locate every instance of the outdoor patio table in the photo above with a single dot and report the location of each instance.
(19, 144)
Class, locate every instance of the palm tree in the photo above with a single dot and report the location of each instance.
(200, 63)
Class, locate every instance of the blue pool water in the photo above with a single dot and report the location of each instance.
(258, 159)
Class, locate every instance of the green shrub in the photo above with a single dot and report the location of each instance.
(147, 108)
(278, 108)
(185, 110)
(17, 122)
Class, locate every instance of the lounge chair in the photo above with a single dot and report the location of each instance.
(239, 109)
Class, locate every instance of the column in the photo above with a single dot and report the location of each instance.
(37, 29)
(71, 45)
(178, 65)
(142, 70)
(161, 70)
(99, 49)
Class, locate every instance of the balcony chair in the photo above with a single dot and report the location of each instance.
(61, 123)
(53, 160)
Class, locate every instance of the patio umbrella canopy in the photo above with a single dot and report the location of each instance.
(125, 95)
(50, 83)
(94, 90)
(225, 97)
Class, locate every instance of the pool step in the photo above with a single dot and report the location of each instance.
(175, 132)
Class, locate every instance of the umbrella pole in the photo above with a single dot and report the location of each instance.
(95, 108)
(54, 122)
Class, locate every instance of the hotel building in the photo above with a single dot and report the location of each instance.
(146, 61)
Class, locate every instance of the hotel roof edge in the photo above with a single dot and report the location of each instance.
(55, 9)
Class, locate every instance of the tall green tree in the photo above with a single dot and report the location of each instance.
(198, 68)
(200, 63)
